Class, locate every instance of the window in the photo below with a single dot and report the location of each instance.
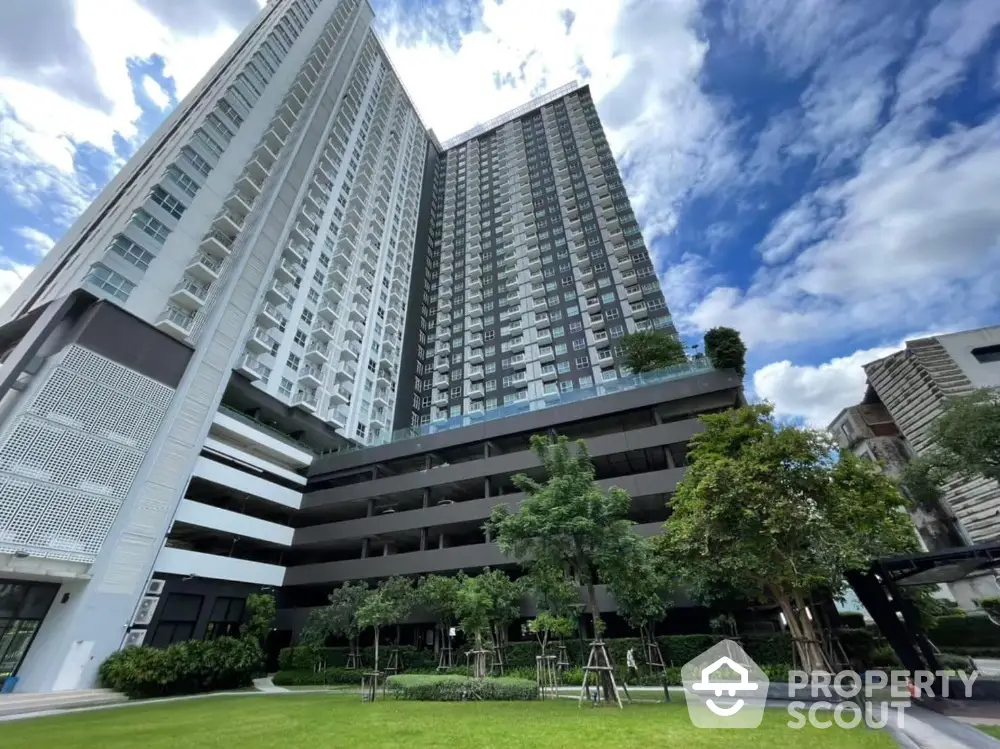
(313, 295)
(300, 337)
(579, 344)
(608, 374)
(617, 331)
(202, 166)
(572, 311)
(208, 142)
(560, 349)
(608, 297)
(113, 283)
(132, 252)
(156, 229)
(562, 367)
(611, 314)
(582, 362)
(286, 387)
(187, 185)
(294, 361)
(491, 385)
(566, 385)
(987, 354)
(586, 382)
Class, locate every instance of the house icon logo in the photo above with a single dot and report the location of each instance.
(724, 688)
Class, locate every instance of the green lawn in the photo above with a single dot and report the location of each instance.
(318, 720)
(993, 731)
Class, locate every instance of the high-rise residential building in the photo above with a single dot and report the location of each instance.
(297, 333)
(906, 393)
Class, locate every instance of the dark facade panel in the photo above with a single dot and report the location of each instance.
(638, 485)
(635, 439)
(724, 385)
(471, 557)
(108, 330)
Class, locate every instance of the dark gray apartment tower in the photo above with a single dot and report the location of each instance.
(535, 267)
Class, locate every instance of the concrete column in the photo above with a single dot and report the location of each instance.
(427, 498)
(423, 539)
(486, 487)
(371, 507)
(670, 458)
(441, 543)
(657, 419)
(427, 462)
(364, 548)
(488, 534)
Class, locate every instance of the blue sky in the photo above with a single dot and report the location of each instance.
(823, 175)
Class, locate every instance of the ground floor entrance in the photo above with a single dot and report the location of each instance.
(23, 606)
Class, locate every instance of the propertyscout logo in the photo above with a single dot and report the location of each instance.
(726, 689)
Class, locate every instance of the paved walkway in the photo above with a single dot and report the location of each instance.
(264, 684)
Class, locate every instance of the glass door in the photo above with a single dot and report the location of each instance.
(23, 606)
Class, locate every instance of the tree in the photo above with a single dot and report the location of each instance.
(767, 509)
(338, 618)
(260, 608)
(568, 522)
(439, 594)
(649, 350)
(725, 348)
(545, 626)
(505, 604)
(965, 442)
(474, 607)
(389, 603)
(642, 586)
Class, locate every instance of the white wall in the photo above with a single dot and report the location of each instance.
(217, 473)
(959, 347)
(206, 516)
(181, 562)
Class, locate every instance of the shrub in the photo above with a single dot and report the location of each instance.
(453, 688)
(183, 668)
(952, 631)
(311, 677)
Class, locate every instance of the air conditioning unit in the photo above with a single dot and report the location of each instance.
(134, 638)
(144, 614)
(155, 587)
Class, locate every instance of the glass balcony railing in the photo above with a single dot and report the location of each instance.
(622, 384)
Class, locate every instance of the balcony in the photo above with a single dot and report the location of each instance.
(304, 232)
(259, 341)
(318, 352)
(346, 371)
(639, 310)
(382, 397)
(175, 321)
(549, 373)
(274, 139)
(476, 391)
(593, 304)
(228, 223)
(323, 331)
(355, 330)
(307, 399)
(517, 344)
(546, 353)
(204, 267)
(440, 398)
(269, 316)
(257, 170)
(625, 264)
(312, 375)
(239, 204)
(253, 368)
(476, 373)
(189, 294)
(338, 416)
(341, 395)
(538, 291)
(334, 291)
(351, 351)
(297, 254)
(286, 272)
(250, 185)
(217, 243)
(597, 322)
(358, 312)
(328, 311)
(278, 293)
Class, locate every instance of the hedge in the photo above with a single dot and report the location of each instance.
(183, 668)
(454, 688)
(960, 631)
(677, 650)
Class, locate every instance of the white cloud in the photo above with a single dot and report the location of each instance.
(642, 61)
(155, 92)
(46, 121)
(11, 276)
(816, 393)
(37, 241)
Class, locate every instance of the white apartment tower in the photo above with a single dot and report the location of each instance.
(301, 136)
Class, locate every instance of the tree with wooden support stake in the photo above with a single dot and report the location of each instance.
(439, 594)
(387, 604)
(339, 618)
(642, 582)
(770, 510)
(568, 522)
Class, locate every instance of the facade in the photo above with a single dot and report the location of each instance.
(199, 384)
(906, 393)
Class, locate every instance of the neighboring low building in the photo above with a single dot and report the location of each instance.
(906, 393)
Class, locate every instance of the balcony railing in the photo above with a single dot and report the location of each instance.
(622, 384)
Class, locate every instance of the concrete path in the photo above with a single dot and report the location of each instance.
(920, 728)
(264, 684)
